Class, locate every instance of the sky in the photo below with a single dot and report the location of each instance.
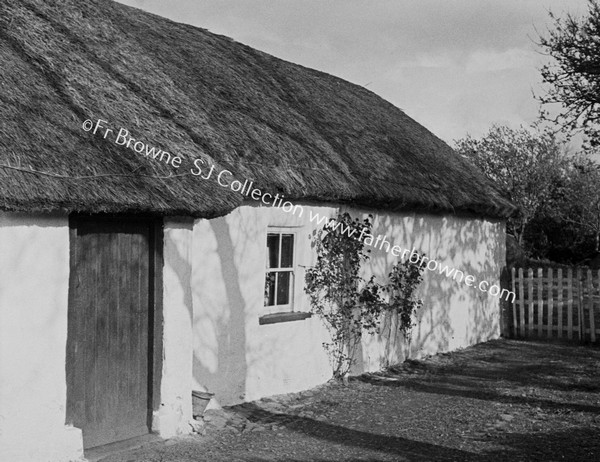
(455, 66)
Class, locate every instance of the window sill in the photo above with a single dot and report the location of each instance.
(274, 318)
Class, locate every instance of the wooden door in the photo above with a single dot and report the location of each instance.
(110, 341)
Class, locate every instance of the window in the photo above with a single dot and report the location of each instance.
(279, 278)
(280, 273)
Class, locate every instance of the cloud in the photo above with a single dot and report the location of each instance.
(500, 60)
(455, 66)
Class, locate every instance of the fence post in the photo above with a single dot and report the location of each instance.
(521, 304)
(550, 302)
(505, 304)
(580, 307)
(590, 294)
(514, 303)
(540, 294)
(530, 302)
(560, 303)
(570, 303)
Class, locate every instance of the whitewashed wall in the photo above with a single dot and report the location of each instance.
(454, 315)
(234, 356)
(34, 282)
(240, 360)
(176, 393)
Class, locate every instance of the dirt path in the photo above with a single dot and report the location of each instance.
(502, 400)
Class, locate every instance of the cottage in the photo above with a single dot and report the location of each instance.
(126, 283)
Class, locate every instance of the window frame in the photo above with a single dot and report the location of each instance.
(293, 269)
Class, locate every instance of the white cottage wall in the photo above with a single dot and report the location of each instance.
(240, 360)
(34, 284)
(234, 356)
(176, 389)
(454, 315)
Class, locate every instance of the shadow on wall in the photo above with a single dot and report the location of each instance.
(453, 315)
(238, 360)
(234, 356)
(227, 318)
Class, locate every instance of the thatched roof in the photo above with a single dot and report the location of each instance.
(292, 130)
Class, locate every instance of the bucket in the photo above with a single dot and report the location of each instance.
(200, 400)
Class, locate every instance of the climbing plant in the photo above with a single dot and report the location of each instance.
(348, 304)
(345, 302)
(404, 279)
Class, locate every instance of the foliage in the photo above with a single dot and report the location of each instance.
(581, 199)
(573, 77)
(566, 228)
(405, 277)
(524, 163)
(551, 238)
(557, 194)
(348, 304)
(336, 289)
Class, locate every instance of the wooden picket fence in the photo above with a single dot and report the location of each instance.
(556, 304)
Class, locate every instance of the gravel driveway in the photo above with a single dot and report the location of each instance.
(501, 400)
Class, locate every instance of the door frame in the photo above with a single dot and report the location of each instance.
(155, 308)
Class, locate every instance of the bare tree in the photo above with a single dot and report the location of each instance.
(573, 76)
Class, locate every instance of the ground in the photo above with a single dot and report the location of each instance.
(501, 400)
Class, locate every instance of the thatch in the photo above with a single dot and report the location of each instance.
(291, 130)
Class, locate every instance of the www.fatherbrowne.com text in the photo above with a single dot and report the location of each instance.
(201, 169)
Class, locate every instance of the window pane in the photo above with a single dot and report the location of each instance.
(272, 250)
(287, 250)
(283, 288)
(270, 289)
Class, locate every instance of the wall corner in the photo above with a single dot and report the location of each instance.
(175, 411)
